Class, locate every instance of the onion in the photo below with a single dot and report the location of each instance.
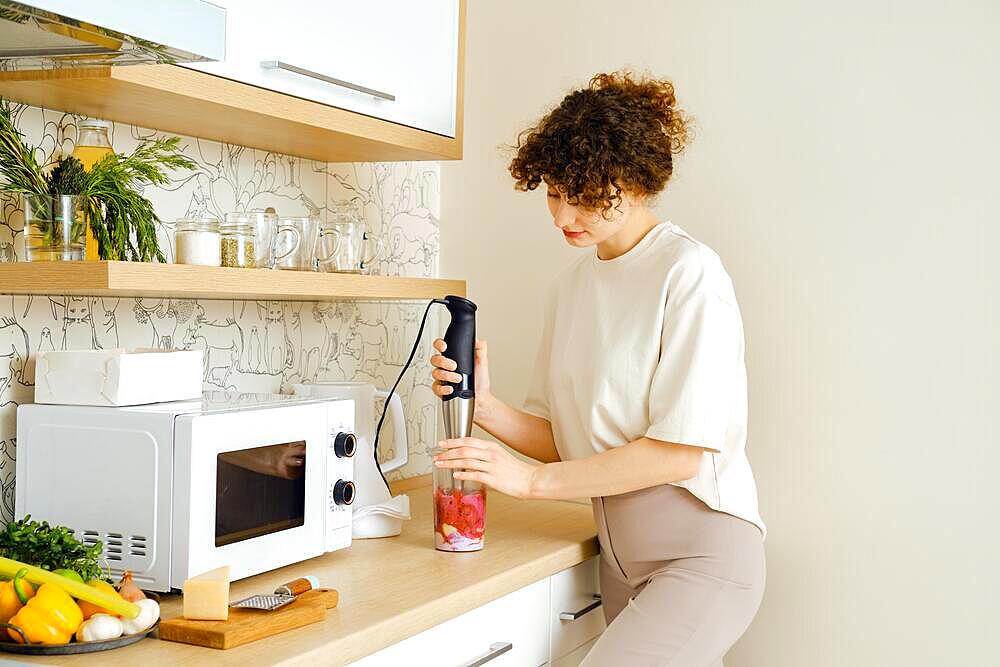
(128, 588)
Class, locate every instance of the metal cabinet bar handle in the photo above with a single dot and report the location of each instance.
(573, 615)
(497, 649)
(277, 64)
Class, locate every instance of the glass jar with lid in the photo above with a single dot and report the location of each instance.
(198, 241)
(239, 242)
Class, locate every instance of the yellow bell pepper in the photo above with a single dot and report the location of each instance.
(13, 595)
(51, 617)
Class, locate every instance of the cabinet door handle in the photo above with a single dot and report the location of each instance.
(573, 615)
(277, 64)
(497, 649)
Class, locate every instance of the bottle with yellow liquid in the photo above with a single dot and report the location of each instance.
(92, 144)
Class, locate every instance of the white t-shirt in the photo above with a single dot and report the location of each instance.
(650, 344)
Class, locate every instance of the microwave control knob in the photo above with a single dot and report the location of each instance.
(343, 492)
(344, 445)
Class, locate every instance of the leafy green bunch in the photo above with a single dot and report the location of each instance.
(128, 221)
(122, 219)
(50, 548)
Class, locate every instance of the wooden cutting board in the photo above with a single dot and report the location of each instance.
(248, 625)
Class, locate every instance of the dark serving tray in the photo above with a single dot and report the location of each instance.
(80, 647)
(76, 647)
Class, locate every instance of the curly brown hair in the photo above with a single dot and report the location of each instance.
(619, 134)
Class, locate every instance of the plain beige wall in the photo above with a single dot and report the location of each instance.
(845, 168)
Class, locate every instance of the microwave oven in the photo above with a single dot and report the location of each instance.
(252, 481)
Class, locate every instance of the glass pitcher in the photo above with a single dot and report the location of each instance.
(350, 256)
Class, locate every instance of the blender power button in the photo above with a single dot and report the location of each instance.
(344, 445)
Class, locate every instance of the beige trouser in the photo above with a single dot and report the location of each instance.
(680, 582)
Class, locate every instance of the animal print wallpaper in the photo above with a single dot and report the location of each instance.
(249, 346)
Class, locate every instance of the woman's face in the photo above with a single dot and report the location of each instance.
(583, 227)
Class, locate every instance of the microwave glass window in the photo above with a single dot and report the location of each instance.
(259, 491)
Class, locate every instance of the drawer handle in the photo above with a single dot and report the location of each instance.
(277, 64)
(497, 649)
(573, 615)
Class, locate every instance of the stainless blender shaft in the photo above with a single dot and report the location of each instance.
(458, 417)
(458, 424)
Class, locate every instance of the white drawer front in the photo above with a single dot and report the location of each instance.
(404, 48)
(517, 619)
(573, 591)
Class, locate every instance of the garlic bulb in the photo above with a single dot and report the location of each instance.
(149, 611)
(98, 627)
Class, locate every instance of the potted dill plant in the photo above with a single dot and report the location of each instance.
(60, 203)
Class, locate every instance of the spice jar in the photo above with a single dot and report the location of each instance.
(197, 241)
(239, 244)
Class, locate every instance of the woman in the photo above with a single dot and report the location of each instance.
(640, 396)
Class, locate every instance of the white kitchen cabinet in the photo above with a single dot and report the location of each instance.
(480, 636)
(404, 49)
(528, 619)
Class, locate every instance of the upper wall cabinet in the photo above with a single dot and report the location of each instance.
(391, 59)
(372, 81)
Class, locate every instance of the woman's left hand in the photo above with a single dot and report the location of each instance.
(487, 462)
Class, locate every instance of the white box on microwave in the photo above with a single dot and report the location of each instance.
(117, 377)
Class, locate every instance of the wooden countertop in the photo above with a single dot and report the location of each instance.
(390, 588)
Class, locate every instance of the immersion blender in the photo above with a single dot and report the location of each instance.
(459, 505)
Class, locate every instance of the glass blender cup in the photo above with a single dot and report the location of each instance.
(459, 512)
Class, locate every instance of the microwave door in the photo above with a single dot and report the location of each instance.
(259, 491)
(249, 490)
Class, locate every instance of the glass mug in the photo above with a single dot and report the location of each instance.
(265, 234)
(350, 255)
(266, 224)
(303, 253)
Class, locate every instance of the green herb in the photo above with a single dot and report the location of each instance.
(50, 548)
(122, 220)
(68, 177)
(127, 227)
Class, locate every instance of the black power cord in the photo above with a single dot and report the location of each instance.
(406, 366)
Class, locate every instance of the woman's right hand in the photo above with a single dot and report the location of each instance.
(444, 371)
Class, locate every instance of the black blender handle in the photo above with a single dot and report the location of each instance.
(460, 338)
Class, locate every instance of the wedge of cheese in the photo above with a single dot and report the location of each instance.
(206, 597)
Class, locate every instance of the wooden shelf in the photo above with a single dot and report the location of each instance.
(206, 282)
